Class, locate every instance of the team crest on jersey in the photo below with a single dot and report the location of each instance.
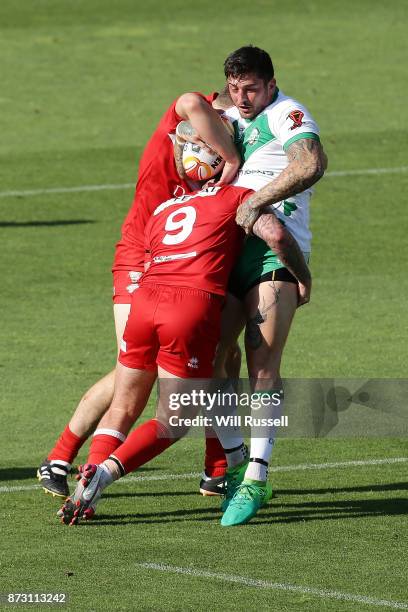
(296, 116)
(253, 137)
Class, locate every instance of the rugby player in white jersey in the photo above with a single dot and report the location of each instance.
(283, 157)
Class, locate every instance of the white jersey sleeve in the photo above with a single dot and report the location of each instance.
(291, 121)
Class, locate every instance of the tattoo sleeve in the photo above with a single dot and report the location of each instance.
(280, 240)
(178, 160)
(306, 166)
(185, 130)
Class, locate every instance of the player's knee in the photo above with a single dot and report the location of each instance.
(264, 368)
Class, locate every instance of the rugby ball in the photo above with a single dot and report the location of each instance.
(199, 164)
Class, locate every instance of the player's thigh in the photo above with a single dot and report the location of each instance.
(139, 345)
(125, 283)
(120, 314)
(270, 307)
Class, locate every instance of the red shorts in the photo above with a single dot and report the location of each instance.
(175, 328)
(125, 282)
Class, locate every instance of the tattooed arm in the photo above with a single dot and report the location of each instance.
(206, 128)
(178, 160)
(307, 163)
(280, 240)
(186, 133)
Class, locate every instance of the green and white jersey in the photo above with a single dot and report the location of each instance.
(262, 142)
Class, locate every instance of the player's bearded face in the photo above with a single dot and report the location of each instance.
(250, 94)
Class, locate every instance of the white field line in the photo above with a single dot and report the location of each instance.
(278, 468)
(51, 190)
(367, 171)
(276, 586)
(109, 187)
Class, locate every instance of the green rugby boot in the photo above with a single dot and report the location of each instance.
(233, 478)
(249, 497)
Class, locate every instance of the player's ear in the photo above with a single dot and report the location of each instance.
(271, 86)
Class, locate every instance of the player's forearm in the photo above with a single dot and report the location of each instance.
(206, 123)
(178, 160)
(307, 163)
(280, 241)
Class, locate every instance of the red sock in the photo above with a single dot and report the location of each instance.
(143, 444)
(215, 461)
(67, 446)
(102, 446)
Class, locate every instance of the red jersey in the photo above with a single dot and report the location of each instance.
(157, 180)
(194, 240)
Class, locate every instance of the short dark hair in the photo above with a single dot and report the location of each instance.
(249, 60)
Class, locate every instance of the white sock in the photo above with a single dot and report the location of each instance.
(261, 448)
(57, 466)
(111, 467)
(256, 470)
(106, 477)
(227, 430)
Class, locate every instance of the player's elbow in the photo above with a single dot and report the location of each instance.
(316, 166)
(313, 170)
(319, 170)
(188, 104)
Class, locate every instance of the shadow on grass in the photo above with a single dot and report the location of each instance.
(29, 473)
(287, 513)
(151, 494)
(171, 516)
(45, 223)
(333, 510)
(389, 486)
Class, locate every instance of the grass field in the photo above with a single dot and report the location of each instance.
(83, 85)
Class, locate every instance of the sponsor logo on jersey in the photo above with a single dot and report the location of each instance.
(296, 116)
(193, 363)
(209, 191)
(251, 171)
(123, 346)
(163, 258)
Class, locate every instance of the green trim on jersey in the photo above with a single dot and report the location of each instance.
(256, 135)
(311, 135)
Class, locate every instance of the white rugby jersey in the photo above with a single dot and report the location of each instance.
(262, 142)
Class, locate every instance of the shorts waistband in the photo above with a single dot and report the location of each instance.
(175, 289)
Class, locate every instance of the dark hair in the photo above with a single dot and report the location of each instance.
(249, 60)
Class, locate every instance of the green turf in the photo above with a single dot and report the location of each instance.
(83, 85)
